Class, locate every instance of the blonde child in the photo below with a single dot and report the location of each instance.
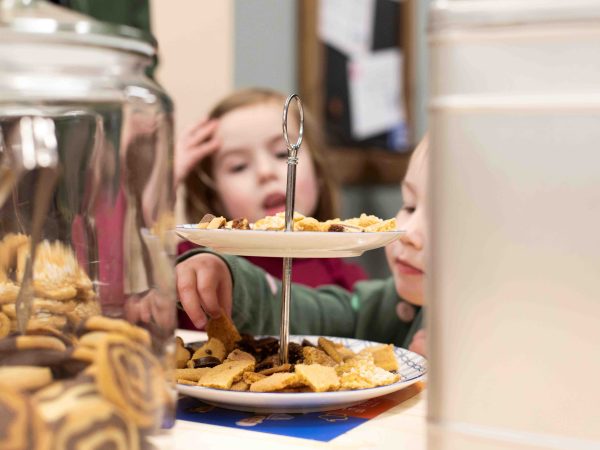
(382, 310)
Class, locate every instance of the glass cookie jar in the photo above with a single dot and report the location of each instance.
(87, 291)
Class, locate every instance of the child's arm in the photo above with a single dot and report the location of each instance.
(210, 282)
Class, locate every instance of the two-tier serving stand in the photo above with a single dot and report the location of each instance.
(290, 196)
(259, 247)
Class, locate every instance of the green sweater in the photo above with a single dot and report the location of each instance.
(368, 312)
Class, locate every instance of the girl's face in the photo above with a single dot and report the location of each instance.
(250, 168)
(406, 256)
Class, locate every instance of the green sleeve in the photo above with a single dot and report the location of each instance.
(377, 318)
(257, 302)
(369, 312)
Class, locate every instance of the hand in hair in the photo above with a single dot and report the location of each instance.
(196, 143)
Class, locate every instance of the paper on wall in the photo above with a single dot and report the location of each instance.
(347, 25)
(375, 95)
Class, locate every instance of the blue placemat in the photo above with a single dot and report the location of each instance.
(319, 426)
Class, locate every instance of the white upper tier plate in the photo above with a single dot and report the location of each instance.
(295, 244)
(413, 368)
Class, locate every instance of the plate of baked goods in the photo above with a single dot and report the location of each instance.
(310, 238)
(323, 373)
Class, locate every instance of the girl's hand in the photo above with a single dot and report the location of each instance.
(418, 343)
(196, 143)
(204, 286)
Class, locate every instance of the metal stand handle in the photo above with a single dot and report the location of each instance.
(290, 195)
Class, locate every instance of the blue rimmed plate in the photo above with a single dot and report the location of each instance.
(413, 368)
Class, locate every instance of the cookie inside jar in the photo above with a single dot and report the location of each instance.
(73, 375)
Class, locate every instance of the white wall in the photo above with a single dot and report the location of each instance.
(196, 62)
(266, 44)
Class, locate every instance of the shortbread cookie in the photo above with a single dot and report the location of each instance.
(224, 330)
(84, 354)
(16, 343)
(366, 220)
(362, 373)
(92, 339)
(343, 351)
(25, 378)
(205, 221)
(191, 374)
(216, 223)
(383, 356)
(101, 323)
(224, 375)
(276, 382)
(238, 355)
(386, 225)
(330, 348)
(240, 386)
(182, 354)
(313, 355)
(308, 224)
(295, 389)
(131, 378)
(319, 378)
(270, 223)
(213, 347)
(37, 329)
(276, 369)
(252, 377)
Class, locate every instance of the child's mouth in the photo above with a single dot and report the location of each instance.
(274, 203)
(407, 269)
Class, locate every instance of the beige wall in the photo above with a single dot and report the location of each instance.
(195, 39)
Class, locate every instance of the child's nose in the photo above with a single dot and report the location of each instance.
(415, 232)
(266, 167)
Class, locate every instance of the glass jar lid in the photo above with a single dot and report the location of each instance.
(31, 20)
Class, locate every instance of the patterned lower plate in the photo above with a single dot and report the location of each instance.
(413, 368)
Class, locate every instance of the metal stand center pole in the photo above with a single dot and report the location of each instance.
(290, 194)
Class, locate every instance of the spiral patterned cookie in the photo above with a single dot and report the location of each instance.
(80, 418)
(131, 378)
(21, 427)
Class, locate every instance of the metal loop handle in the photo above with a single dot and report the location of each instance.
(293, 148)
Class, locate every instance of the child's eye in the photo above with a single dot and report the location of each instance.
(409, 209)
(237, 168)
(281, 154)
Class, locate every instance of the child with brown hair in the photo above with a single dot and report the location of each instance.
(234, 164)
